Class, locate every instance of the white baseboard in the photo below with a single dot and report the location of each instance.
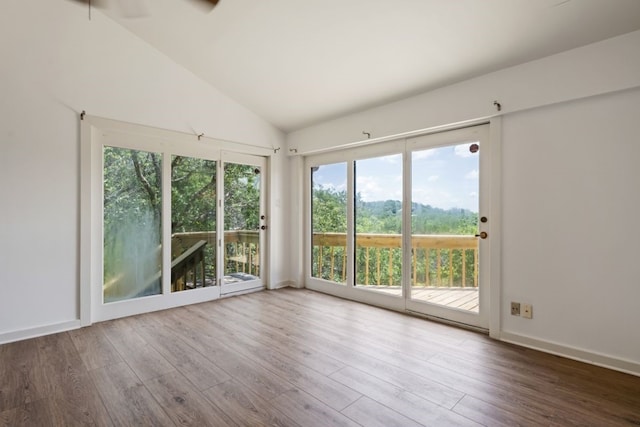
(24, 334)
(286, 284)
(581, 355)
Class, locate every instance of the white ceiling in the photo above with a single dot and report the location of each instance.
(299, 62)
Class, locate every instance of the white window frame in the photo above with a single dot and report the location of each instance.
(97, 132)
(490, 274)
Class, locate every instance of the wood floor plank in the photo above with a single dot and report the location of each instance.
(62, 374)
(490, 415)
(208, 341)
(127, 399)
(375, 359)
(417, 382)
(334, 394)
(368, 412)
(245, 407)
(366, 315)
(186, 406)
(371, 333)
(202, 372)
(410, 405)
(540, 395)
(18, 376)
(327, 390)
(143, 359)
(94, 348)
(36, 413)
(254, 329)
(306, 410)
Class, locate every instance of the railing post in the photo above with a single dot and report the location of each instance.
(366, 268)
(333, 262)
(450, 267)
(464, 268)
(475, 267)
(377, 266)
(390, 266)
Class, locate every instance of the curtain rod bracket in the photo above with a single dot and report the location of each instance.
(498, 105)
(82, 115)
(275, 150)
(367, 133)
(200, 135)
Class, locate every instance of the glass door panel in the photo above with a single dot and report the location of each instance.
(193, 223)
(378, 224)
(132, 229)
(444, 222)
(243, 222)
(329, 222)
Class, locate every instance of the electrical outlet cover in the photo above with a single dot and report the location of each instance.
(515, 309)
(527, 311)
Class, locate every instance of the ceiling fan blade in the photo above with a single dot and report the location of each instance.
(138, 8)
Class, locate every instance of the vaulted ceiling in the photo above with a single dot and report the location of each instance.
(299, 62)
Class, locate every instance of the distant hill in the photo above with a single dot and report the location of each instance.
(426, 219)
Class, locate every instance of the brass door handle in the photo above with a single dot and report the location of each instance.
(482, 235)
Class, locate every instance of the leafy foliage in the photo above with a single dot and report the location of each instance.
(133, 210)
(132, 201)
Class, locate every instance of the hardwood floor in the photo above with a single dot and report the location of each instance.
(298, 358)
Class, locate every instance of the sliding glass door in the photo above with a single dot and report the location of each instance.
(410, 220)
(178, 223)
(378, 224)
(193, 223)
(447, 229)
(329, 222)
(244, 222)
(132, 224)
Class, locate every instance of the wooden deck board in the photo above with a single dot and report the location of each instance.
(462, 298)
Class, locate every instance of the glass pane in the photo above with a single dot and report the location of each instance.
(193, 223)
(444, 221)
(132, 228)
(241, 223)
(378, 221)
(329, 222)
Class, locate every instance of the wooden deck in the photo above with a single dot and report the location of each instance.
(460, 298)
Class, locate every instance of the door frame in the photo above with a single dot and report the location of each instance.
(491, 273)
(257, 161)
(478, 133)
(97, 132)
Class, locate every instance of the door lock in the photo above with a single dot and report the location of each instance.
(482, 235)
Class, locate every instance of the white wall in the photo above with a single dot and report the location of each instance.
(55, 63)
(570, 126)
(571, 207)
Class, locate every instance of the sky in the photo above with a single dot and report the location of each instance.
(443, 177)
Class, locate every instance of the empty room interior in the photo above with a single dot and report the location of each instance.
(301, 213)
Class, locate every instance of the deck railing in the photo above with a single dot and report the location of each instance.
(241, 254)
(437, 260)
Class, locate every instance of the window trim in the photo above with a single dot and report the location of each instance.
(93, 132)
